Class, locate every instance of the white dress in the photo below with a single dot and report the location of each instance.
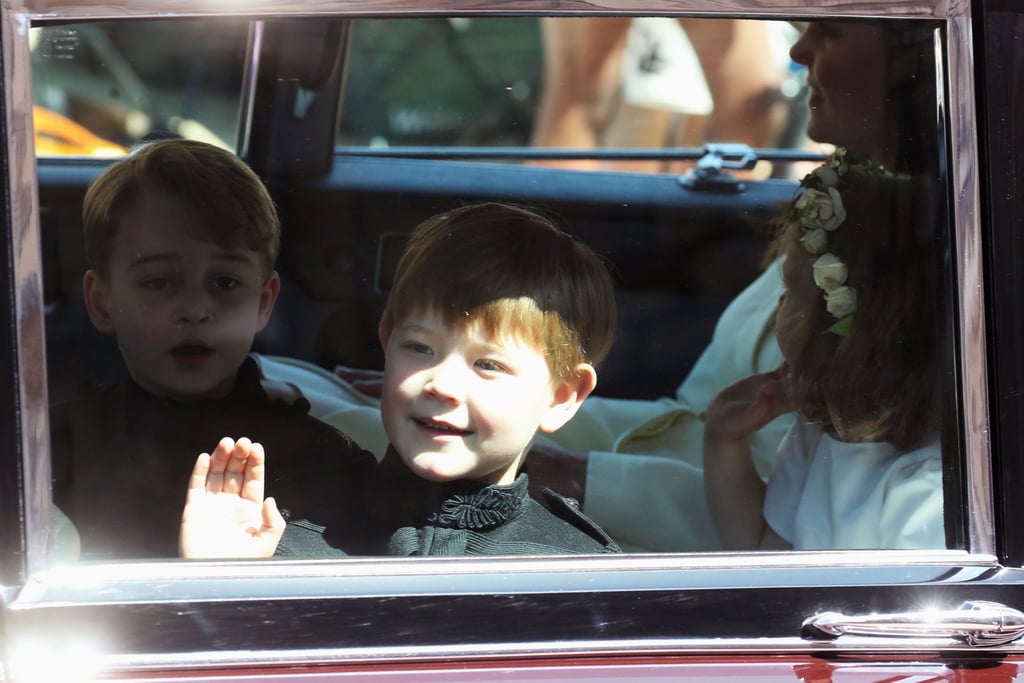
(826, 494)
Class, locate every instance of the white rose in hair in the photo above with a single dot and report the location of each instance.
(829, 272)
(841, 301)
(814, 241)
(827, 176)
(821, 209)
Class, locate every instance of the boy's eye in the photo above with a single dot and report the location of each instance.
(157, 283)
(489, 365)
(226, 282)
(417, 347)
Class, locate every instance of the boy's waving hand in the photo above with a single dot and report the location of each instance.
(225, 514)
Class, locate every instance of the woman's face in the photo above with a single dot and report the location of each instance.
(846, 74)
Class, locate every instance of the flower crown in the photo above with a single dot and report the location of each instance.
(818, 210)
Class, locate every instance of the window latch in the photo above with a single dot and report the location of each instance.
(712, 171)
(976, 623)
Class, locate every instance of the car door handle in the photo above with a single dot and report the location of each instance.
(977, 623)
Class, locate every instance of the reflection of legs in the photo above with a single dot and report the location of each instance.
(743, 77)
(582, 58)
(580, 104)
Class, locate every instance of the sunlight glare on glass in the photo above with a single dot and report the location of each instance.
(34, 661)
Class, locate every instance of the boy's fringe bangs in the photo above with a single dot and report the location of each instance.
(519, 318)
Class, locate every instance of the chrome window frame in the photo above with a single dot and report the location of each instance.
(44, 586)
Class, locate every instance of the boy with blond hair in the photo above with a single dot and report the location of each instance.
(492, 331)
(181, 239)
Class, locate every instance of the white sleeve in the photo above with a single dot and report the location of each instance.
(734, 352)
(648, 503)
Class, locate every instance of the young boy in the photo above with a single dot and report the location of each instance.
(492, 331)
(181, 239)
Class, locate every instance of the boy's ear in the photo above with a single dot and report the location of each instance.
(96, 293)
(268, 296)
(569, 395)
(383, 332)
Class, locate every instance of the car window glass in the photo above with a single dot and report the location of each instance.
(566, 83)
(441, 81)
(776, 304)
(99, 87)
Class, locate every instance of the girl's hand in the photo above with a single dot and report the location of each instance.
(742, 408)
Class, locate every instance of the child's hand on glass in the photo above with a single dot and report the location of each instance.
(225, 515)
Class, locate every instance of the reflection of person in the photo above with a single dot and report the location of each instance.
(181, 238)
(872, 91)
(729, 89)
(861, 468)
(491, 333)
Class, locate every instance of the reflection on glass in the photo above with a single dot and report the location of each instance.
(767, 388)
(100, 87)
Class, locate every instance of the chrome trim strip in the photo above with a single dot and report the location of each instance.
(247, 99)
(967, 227)
(196, 582)
(460, 656)
(71, 9)
(28, 297)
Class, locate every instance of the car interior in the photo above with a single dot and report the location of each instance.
(361, 128)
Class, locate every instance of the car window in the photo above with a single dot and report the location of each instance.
(761, 337)
(100, 87)
(575, 85)
(441, 81)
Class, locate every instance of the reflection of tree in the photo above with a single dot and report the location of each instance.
(441, 81)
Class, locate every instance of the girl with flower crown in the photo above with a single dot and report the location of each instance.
(871, 90)
(861, 467)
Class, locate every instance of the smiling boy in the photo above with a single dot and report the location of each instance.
(492, 331)
(181, 239)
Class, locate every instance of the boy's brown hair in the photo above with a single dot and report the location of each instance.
(515, 272)
(231, 205)
(880, 381)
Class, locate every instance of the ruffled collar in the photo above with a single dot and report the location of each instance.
(483, 508)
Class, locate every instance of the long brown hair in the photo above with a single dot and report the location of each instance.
(879, 381)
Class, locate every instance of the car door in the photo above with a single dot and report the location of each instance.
(681, 245)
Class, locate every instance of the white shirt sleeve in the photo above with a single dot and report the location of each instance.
(631, 479)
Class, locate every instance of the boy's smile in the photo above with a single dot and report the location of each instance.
(184, 310)
(440, 429)
(463, 405)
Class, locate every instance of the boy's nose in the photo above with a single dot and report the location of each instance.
(446, 383)
(195, 308)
